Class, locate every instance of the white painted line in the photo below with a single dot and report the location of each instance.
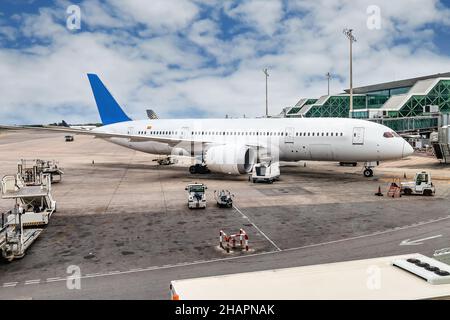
(54, 279)
(409, 242)
(259, 230)
(32, 281)
(92, 274)
(10, 284)
(368, 235)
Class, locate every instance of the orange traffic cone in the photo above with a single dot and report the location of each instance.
(379, 193)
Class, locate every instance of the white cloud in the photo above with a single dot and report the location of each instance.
(157, 15)
(181, 59)
(262, 15)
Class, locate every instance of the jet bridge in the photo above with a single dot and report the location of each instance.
(441, 143)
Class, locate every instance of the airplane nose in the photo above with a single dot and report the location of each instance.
(407, 149)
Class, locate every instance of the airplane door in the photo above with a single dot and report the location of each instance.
(131, 130)
(289, 135)
(184, 133)
(358, 135)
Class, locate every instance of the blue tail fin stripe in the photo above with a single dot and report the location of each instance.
(110, 111)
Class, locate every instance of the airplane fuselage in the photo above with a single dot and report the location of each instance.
(294, 139)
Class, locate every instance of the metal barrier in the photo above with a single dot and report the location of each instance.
(228, 242)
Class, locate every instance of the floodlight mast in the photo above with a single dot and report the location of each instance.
(328, 75)
(349, 34)
(266, 72)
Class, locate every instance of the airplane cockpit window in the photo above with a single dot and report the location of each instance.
(390, 134)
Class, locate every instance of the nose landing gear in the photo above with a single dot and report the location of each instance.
(368, 172)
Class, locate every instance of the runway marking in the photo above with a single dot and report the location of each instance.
(370, 235)
(54, 279)
(409, 242)
(32, 281)
(92, 274)
(10, 284)
(155, 268)
(258, 229)
(114, 272)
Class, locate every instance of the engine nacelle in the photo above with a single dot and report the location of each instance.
(231, 159)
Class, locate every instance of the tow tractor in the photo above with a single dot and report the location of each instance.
(422, 185)
(196, 195)
(224, 198)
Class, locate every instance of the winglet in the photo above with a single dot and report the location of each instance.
(108, 108)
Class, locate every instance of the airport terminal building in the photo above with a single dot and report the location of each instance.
(413, 105)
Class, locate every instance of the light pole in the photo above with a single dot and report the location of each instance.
(328, 75)
(267, 103)
(351, 38)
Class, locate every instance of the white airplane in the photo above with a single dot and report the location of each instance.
(234, 146)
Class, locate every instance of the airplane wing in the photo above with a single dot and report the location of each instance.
(99, 134)
(106, 135)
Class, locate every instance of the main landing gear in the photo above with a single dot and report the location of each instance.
(199, 168)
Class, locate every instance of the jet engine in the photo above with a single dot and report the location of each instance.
(230, 159)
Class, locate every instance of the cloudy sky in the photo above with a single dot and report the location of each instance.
(192, 58)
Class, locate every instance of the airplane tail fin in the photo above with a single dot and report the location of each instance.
(108, 108)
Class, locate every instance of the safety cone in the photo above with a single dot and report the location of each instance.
(379, 192)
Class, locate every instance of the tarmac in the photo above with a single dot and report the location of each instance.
(123, 220)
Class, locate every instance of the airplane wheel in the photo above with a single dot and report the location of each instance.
(368, 173)
(192, 170)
